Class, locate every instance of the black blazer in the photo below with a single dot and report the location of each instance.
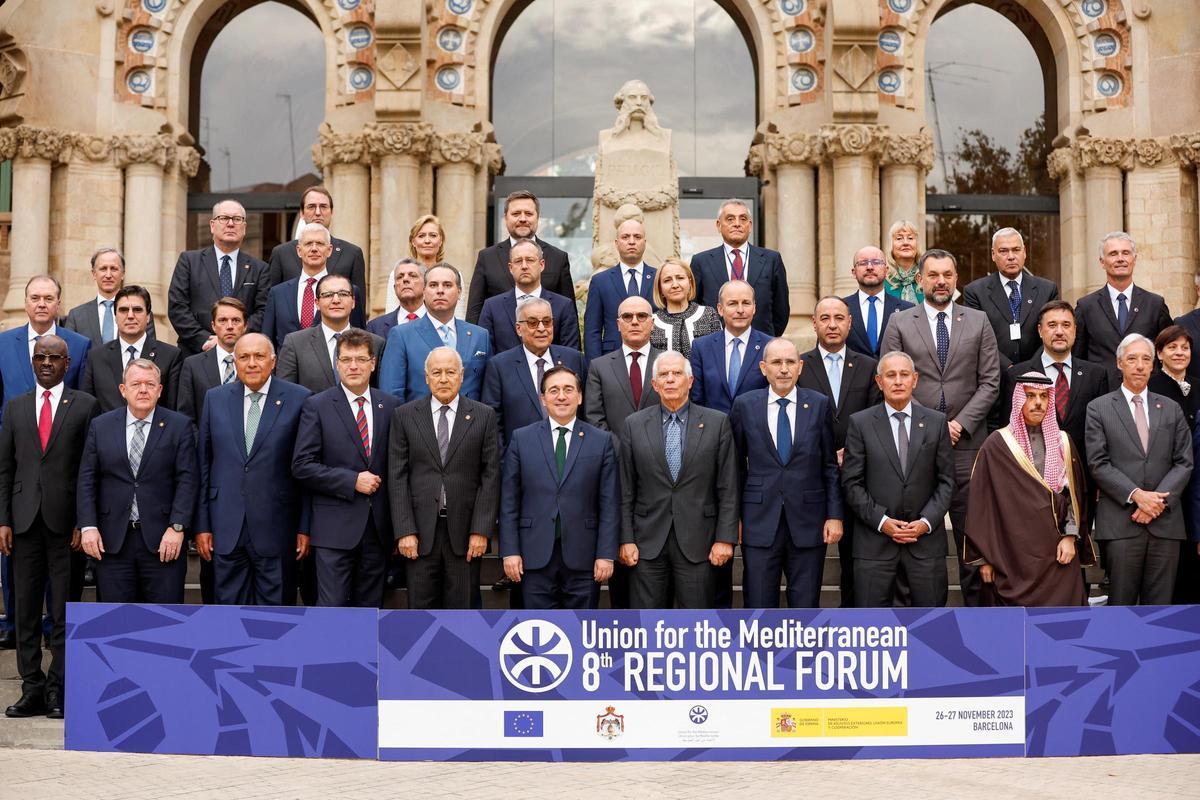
(196, 285)
(346, 259)
(766, 274)
(988, 295)
(1164, 384)
(199, 373)
(105, 367)
(491, 276)
(84, 320)
(857, 340)
(1191, 323)
(1088, 381)
(25, 471)
(1097, 336)
(858, 390)
(280, 317)
(499, 319)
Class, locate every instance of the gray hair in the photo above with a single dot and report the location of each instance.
(315, 226)
(141, 363)
(731, 284)
(449, 266)
(533, 301)
(405, 261)
(529, 240)
(443, 349)
(1130, 341)
(1007, 232)
(1117, 235)
(105, 251)
(672, 355)
(894, 354)
(733, 201)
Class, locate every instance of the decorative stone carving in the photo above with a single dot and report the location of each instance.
(855, 67)
(1187, 148)
(188, 159)
(94, 148)
(410, 138)
(12, 72)
(45, 143)
(8, 143)
(493, 157)
(756, 160)
(853, 140)
(1153, 152)
(105, 8)
(1060, 163)
(1093, 151)
(458, 147)
(141, 149)
(338, 148)
(793, 148)
(913, 149)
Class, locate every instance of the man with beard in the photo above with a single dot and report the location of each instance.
(870, 307)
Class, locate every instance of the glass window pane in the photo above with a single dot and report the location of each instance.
(969, 238)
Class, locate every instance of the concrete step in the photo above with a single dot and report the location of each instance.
(37, 733)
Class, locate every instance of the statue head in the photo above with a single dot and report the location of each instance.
(634, 103)
(625, 212)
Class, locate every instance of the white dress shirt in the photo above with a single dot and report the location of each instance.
(531, 361)
(931, 314)
(537, 292)
(262, 403)
(639, 271)
(331, 343)
(864, 307)
(402, 315)
(745, 342)
(130, 419)
(1129, 402)
(644, 350)
(34, 336)
(139, 347)
(233, 257)
(352, 398)
(1112, 298)
(745, 251)
(773, 414)
(436, 407)
(1004, 283)
(100, 301)
(56, 393)
(554, 426)
(1051, 370)
(300, 291)
(221, 352)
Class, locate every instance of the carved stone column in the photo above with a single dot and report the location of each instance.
(1161, 216)
(1074, 260)
(87, 201)
(1103, 162)
(852, 149)
(399, 148)
(456, 156)
(144, 159)
(904, 162)
(794, 157)
(1187, 149)
(175, 219)
(34, 151)
(344, 159)
(757, 167)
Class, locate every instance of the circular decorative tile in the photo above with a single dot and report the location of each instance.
(139, 81)
(360, 36)
(460, 7)
(890, 41)
(450, 39)
(889, 81)
(792, 7)
(804, 79)
(361, 78)
(1092, 8)
(1108, 85)
(349, 5)
(801, 40)
(900, 6)
(448, 79)
(154, 6)
(142, 40)
(1106, 44)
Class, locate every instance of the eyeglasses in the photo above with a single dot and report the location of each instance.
(640, 316)
(870, 262)
(53, 358)
(123, 310)
(361, 361)
(545, 322)
(340, 294)
(317, 207)
(225, 219)
(521, 262)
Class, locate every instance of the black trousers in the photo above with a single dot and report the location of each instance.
(134, 573)
(875, 581)
(969, 581)
(558, 586)
(765, 566)
(41, 556)
(443, 579)
(352, 577)
(651, 580)
(1141, 570)
(243, 577)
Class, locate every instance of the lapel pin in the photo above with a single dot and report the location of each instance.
(701, 425)
(757, 347)
(337, 249)
(581, 434)
(1080, 372)
(849, 364)
(380, 405)
(1158, 405)
(468, 416)
(278, 402)
(162, 424)
(65, 401)
(920, 424)
(1135, 309)
(806, 405)
(1029, 301)
(468, 333)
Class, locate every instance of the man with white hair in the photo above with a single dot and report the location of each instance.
(345, 258)
(408, 282)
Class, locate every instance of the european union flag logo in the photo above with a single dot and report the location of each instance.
(523, 723)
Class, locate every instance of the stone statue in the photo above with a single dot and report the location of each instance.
(604, 255)
(635, 167)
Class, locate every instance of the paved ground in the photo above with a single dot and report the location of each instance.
(46, 775)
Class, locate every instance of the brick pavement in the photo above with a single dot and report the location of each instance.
(48, 775)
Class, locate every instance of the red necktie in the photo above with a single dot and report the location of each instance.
(411, 316)
(361, 419)
(306, 304)
(1062, 391)
(737, 266)
(45, 420)
(635, 379)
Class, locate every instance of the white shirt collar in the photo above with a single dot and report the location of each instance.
(56, 392)
(266, 387)
(1130, 395)
(864, 298)
(1114, 291)
(437, 404)
(533, 359)
(537, 292)
(891, 412)
(353, 398)
(101, 299)
(644, 350)
(221, 353)
(744, 247)
(1004, 281)
(318, 276)
(1048, 363)
(569, 425)
(402, 314)
(775, 398)
(233, 257)
(53, 331)
(932, 312)
(744, 338)
(139, 345)
(130, 418)
(328, 332)
(640, 269)
(825, 353)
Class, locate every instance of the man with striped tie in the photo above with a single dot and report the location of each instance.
(213, 367)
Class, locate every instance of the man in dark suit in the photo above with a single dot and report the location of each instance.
(1139, 449)
(293, 304)
(789, 482)
(1118, 308)
(444, 479)
(679, 495)
(106, 363)
(898, 476)
(95, 318)
(216, 366)
(499, 316)
(510, 384)
(137, 493)
(341, 459)
(41, 445)
(847, 379)
(725, 363)
(202, 277)
(608, 289)
(736, 259)
(870, 307)
(345, 258)
(252, 521)
(307, 356)
(492, 277)
(408, 282)
(560, 515)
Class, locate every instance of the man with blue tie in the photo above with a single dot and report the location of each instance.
(499, 315)
(560, 512)
(252, 521)
(870, 307)
(791, 501)
(726, 363)
(293, 305)
(402, 372)
(408, 283)
(609, 288)
(95, 318)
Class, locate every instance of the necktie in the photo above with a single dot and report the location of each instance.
(363, 431)
(735, 366)
(136, 445)
(541, 372)
(443, 443)
(635, 380)
(307, 303)
(523, 298)
(1122, 313)
(337, 379)
(631, 288)
(108, 327)
(132, 354)
(738, 272)
(674, 442)
(45, 420)
(1139, 420)
(560, 461)
(902, 441)
(783, 431)
(872, 324)
(252, 418)
(447, 333)
(1062, 391)
(835, 374)
(1014, 300)
(943, 350)
(226, 277)
(230, 372)
(411, 316)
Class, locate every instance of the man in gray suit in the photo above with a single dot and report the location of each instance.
(307, 356)
(96, 318)
(679, 494)
(618, 383)
(954, 351)
(1139, 449)
(898, 478)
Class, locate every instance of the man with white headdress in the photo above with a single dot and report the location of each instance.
(1026, 519)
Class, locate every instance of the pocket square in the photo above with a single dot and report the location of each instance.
(479, 354)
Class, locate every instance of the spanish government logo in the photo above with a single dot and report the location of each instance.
(610, 724)
(535, 655)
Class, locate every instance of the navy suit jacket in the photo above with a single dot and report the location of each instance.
(254, 491)
(857, 340)
(382, 325)
(16, 367)
(499, 318)
(711, 385)
(281, 316)
(326, 461)
(508, 387)
(402, 373)
(805, 490)
(606, 292)
(587, 499)
(764, 272)
(165, 484)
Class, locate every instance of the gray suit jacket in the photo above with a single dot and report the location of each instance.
(608, 398)
(702, 505)
(1119, 465)
(304, 359)
(84, 320)
(971, 379)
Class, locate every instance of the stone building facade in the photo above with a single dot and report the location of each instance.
(95, 113)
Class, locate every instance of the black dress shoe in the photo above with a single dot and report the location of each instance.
(31, 704)
(8, 640)
(503, 585)
(89, 575)
(54, 706)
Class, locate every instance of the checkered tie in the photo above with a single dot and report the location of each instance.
(252, 418)
(230, 372)
(136, 446)
(674, 442)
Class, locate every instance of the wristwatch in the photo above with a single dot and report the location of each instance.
(177, 527)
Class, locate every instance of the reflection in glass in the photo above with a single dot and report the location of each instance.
(969, 238)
